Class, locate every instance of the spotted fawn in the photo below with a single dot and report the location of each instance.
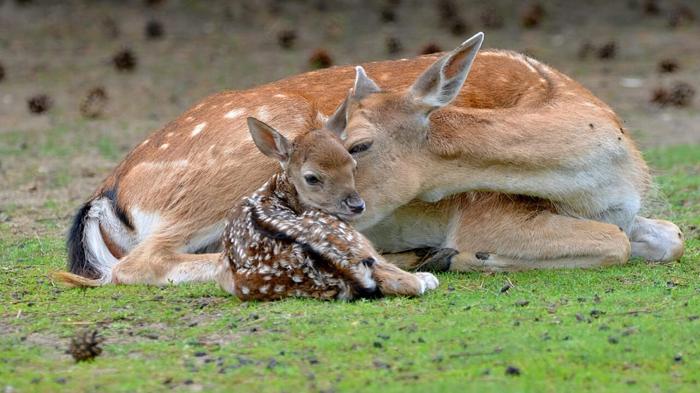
(291, 238)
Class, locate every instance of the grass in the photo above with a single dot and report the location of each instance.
(632, 327)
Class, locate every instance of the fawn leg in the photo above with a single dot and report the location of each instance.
(394, 281)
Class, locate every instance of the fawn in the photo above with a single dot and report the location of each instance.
(291, 237)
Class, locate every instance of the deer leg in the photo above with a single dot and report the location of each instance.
(158, 260)
(511, 237)
(656, 240)
(394, 281)
(166, 268)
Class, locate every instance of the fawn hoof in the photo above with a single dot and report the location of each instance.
(435, 259)
(428, 282)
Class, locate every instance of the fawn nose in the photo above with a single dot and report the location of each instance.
(355, 203)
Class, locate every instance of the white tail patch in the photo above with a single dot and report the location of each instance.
(97, 253)
(234, 113)
(198, 128)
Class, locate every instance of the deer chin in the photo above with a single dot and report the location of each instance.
(347, 216)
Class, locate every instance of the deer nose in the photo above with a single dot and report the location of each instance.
(355, 203)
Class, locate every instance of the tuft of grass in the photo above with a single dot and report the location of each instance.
(632, 327)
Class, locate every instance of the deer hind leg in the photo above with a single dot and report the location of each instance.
(512, 236)
(159, 260)
(656, 240)
(166, 268)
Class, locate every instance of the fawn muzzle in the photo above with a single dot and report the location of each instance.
(354, 203)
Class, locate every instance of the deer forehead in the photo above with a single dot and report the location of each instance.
(322, 151)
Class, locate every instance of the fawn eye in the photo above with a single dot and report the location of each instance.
(312, 180)
(360, 147)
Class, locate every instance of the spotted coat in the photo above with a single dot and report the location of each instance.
(277, 249)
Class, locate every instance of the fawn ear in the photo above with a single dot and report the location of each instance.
(339, 119)
(270, 142)
(443, 80)
(363, 86)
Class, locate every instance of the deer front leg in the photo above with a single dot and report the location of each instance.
(656, 240)
(513, 236)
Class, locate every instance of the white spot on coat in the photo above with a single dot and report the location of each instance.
(234, 113)
(262, 113)
(198, 128)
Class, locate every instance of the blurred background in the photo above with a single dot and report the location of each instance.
(82, 82)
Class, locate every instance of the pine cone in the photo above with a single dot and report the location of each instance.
(85, 346)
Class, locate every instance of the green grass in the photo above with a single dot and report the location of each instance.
(613, 329)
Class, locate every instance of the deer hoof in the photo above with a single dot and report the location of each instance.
(435, 259)
(428, 281)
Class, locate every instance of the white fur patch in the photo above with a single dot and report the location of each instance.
(198, 128)
(204, 270)
(164, 146)
(234, 113)
(262, 113)
(205, 238)
(144, 223)
(98, 254)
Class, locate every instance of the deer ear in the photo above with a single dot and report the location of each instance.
(443, 80)
(270, 142)
(363, 86)
(339, 119)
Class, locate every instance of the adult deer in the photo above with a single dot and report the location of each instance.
(522, 168)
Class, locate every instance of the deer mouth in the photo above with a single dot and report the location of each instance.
(347, 216)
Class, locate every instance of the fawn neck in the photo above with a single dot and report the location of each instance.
(283, 189)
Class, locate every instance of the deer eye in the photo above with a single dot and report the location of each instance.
(360, 147)
(312, 180)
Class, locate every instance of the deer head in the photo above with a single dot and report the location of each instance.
(317, 164)
(387, 131)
